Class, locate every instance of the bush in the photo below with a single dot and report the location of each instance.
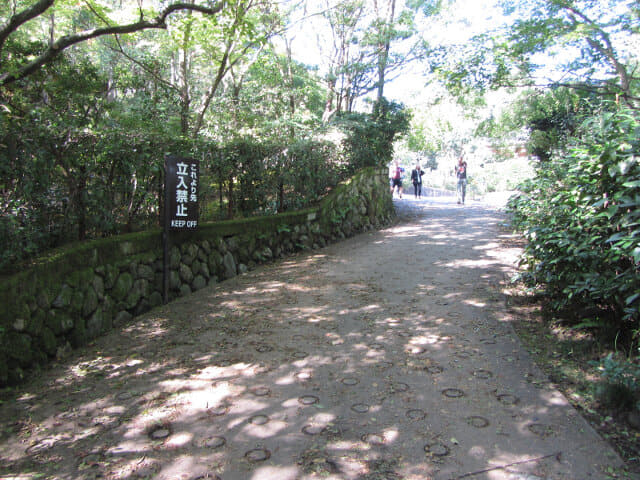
(581, 218)
(371, 138)
(620, 388)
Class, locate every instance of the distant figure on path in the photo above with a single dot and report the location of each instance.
(396, 178)
(461, 174)
(416, 178)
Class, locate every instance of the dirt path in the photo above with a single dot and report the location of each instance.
(387, 356)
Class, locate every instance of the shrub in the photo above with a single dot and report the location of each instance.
(581, 218)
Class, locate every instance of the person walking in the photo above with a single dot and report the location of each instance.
(396, 178)
(416, 178)
(461, 174)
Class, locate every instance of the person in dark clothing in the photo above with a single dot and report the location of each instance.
(416, 178)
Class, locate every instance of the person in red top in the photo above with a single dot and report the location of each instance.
(396, 178)
(461, 174)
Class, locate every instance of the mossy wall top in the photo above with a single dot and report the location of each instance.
(81, 291)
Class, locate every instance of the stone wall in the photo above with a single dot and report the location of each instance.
(82, 291)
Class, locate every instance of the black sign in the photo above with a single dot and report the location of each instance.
(181, 184)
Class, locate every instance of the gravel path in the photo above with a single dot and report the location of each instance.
(384, 357)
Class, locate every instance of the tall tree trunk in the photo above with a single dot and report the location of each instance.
(185, 98)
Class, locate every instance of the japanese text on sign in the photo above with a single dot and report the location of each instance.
(182, 192)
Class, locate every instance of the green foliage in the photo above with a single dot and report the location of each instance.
(371, 138)
(581, 218)
(620, 388)
(550, 117)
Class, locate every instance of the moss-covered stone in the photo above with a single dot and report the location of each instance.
(174, 258)
(145, 272)
(122, 318)
(98, 285)
(126, 248)
(48, 341)
(230, 268)
(174, 280)
(90, 303)
(214, 261)
(95, 324)
(78, 336)
(63, 299)
(80, 278)
(43, 300)
(58, 321)
(196, 267)
(77, 301)
(34, 327)
(122, 287)
(186, 275)
(155, 299)
(19, 348)
(199, 283)
(134, 295)
(110, 277)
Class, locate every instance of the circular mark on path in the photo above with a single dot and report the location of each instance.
(384, 365)
(540, 429)
(488, 341)
(313, 429)
(304, 376)
(463, 355)
(214, 442)
(350, 381)
(259, 420)
(478, 422)
(308, 399)
(373, 439)
(159, 433)
(218, 411)
(260, 391)
(257, 455)
(483, 374)
(454, 314)
(508, 399)
(415, 350)
(437, 449)
(435, 369)
(416, 414)
(453, 393)
(299, 355)
(376, 346)
(360, 407)
(398, 387)
(264, 348)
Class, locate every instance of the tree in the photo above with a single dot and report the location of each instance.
(589, 44)
(95, 19)
(594, 29)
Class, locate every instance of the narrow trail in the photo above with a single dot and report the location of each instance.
(387, 356)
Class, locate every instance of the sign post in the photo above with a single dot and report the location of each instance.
(181, 177)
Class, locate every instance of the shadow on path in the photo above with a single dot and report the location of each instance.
(387, 356)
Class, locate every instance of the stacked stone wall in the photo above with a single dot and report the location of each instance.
(83, 291)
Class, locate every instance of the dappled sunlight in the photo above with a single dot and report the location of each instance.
(376, 358)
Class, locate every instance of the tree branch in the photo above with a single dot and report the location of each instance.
(69, 40)
(21, 18)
